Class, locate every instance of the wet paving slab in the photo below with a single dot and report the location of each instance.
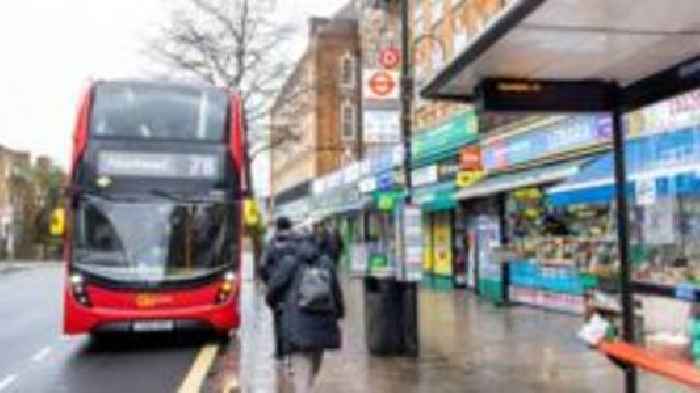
(467, 345)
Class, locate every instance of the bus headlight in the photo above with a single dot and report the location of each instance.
(77, 285)
(227, 288)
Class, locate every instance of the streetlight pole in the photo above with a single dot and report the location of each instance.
(409, 290)
(406, 96)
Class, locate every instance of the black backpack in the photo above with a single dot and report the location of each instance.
(315, 289)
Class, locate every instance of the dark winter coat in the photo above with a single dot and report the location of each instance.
(282, 243)
(302, 331)
(331, 243)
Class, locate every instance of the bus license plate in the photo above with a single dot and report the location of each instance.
(154, 326)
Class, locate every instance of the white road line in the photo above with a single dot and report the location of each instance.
(7, 381)
(195, 378)
(42, 354)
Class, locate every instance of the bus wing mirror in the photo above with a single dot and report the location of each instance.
(57, 226)
(251, 213)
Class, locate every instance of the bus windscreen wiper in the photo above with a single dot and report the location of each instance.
(167, 195)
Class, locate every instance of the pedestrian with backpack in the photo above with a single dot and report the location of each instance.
(283, 244)
(311, 301)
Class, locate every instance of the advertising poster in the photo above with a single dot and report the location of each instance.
(442, 244)
(381, 126)
(427, 244)
(658, 222)
(411, 244)
(488, 237)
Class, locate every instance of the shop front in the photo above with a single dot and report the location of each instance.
(531, 58)
(662, 151)
(435, 167)
(507, 207)
(439, 263)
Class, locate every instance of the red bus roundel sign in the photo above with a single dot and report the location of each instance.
(382, 84)
(389, 58)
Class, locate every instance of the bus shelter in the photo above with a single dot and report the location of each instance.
(559, 56)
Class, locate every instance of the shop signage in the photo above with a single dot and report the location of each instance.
(470, 158)
(386, 200)
(456, 132)
(380, 84)
(468, 178)
(365, 167)
(397, 155)
(425, 175)
(447, 170)
(351, 173)
(674, 114)
(381, 126)
(573, 133)
(385, 181)
(367, 185)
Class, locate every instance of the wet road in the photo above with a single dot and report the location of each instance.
(35, 357)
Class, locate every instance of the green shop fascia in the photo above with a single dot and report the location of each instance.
(435, 166)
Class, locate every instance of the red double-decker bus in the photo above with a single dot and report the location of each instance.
(153, 238)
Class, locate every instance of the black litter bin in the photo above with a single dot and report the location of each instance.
(390, 317)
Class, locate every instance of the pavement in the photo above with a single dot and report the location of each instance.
(467, 345)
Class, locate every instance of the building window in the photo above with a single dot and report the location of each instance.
(347, 121)
(438, 8)
(418, 9)
(347, 70)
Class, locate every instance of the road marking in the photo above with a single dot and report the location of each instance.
(7, 381)
(195, 378)
(42, 354)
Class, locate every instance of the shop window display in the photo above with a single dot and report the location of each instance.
(557, 253)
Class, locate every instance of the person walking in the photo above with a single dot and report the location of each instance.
(331, 241)
(307, 288)
(283, 243)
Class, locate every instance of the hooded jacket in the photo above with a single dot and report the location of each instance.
(300, 330)
(283, 243)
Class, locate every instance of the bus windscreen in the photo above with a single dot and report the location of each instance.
(151, 239)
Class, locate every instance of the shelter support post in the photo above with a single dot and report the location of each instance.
(627, 302)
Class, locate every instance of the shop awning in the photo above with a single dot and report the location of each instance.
(436, 197)
(668, 163)
(621, 40)
(528, 178)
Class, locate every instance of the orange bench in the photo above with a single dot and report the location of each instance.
(682, 372)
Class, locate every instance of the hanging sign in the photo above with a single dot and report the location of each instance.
(380, 85)
(470, 158)
(389, 58)
(468, 178)
(425, 175)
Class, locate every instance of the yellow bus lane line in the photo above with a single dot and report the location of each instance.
(198, 373)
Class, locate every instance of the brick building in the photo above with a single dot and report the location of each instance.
(318, 105)
(443, 28)
(15, 197)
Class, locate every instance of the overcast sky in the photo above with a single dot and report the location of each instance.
(50, 48)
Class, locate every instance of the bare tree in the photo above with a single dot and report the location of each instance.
(230, 43)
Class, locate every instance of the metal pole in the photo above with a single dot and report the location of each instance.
(410, 289)
(406, 96)
(623, 237)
